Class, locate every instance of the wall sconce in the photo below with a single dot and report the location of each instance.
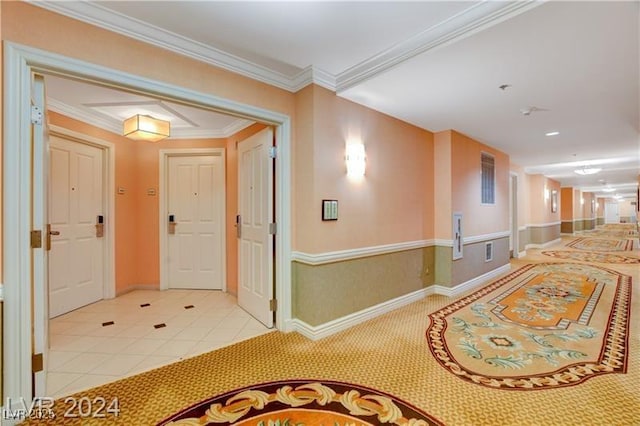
(547, 194)
(145, 128)
(581, 200)
(355, 159)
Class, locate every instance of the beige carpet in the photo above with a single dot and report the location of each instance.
(389, 354)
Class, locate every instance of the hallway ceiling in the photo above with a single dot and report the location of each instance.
(438, 65)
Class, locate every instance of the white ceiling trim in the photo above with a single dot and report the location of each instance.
(313, 74)
(113, 21)
(113, 127)
(468, 22)
(85, 117)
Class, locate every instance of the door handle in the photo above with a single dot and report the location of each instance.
(239, 226)
(100, 226)
(48, 236)
(172, 224)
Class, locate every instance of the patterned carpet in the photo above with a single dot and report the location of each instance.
(542, 326)
(602, 244)
(592, 257)
(302, 402)
(391, 355)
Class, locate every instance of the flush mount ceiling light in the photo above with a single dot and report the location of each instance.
(608, 189)
(554, 133)
(587, 170)
(146, 128)
(528, 110)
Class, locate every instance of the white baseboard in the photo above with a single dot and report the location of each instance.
(315, 332)
(134, 287)
(468, 285)
(545, 245)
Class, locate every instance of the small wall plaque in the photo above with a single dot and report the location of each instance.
(329, 209)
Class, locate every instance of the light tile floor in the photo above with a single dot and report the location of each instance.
(86, 352)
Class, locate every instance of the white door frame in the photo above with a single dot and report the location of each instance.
(19, 63)
(108, 200)
(513, 214)
(163, 188)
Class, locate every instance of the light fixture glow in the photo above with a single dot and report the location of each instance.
(146, 128)
(554, 133)
(608, 189)
(587, 170)
(355, 160)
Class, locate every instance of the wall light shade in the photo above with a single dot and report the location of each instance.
(146, 128)
(355, 160)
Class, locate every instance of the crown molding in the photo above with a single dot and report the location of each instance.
(470, 21)
(466, 23)
(103, 17)
(114, 127)
(85, 117)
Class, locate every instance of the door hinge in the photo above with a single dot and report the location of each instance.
(273, 152)
(273, 305)
(36, 239)
(37, 363)
(273, 228)
(36, 114)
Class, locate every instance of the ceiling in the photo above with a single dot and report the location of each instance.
(570, 67)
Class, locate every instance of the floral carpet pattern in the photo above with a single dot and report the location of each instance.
(602, 244)
(592, 257)
(301, 403)
(543, 326)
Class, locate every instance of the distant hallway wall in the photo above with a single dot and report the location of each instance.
(540, 235)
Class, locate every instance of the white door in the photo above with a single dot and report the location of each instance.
(40, 316)
(196, 206)
(611, 214)
(255, 210)
(76, 197)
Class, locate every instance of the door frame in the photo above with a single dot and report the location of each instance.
(108, 201)
(20, 62)
(513, 214)
(163, 188)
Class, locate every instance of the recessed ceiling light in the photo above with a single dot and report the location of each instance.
(552, 134)
(587, 170)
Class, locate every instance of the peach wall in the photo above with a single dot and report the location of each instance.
(600, 207)
(62, 35)
(577, 204)
(625, 209)
(540, 190)
(586, 207)
(478, 219)
(390, 203)
(566, 204)
(442, 190)
(306, 203)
